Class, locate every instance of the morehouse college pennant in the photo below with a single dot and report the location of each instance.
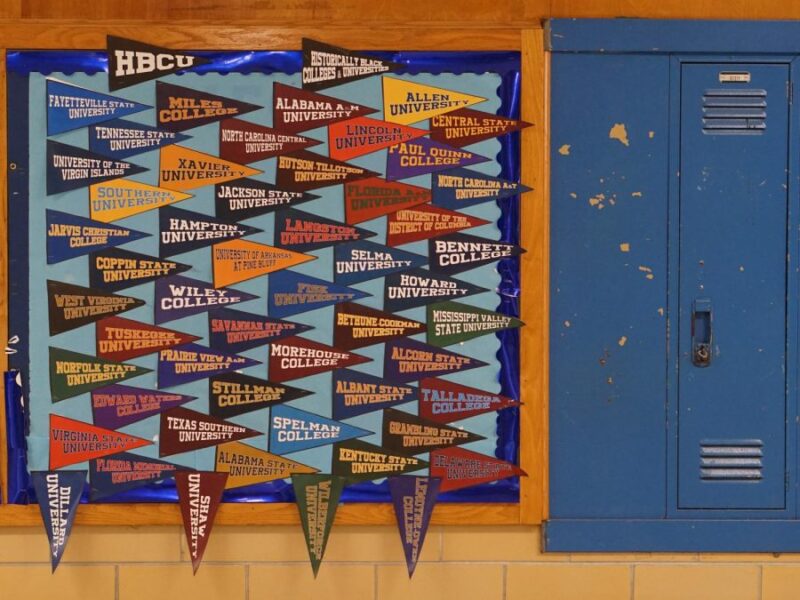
(199, 496)
(232, 394)
(59, 495)
(292, 430)
(248, 198)
(73, 373)
(467, 126)
(120, 339)
(116, 406)
(372, 198)
(356, 326)
(298, 357)
(71, 107)
(444, 401)
(179, 108)
(121, 139)
(237, 331)
(302, 231)
(126, 471)
(294, 109)
(73, 442)
(183, 430)
(244, 142)
(193, 361)
(355, 393)
(178, 297)
(70, 236)
(410, 434)
(131, 62)
(291, 293)
(409, 360)
(117, 269)
(71, 168)
(246, 465)
(419, 287)
(183, 231)
(325, 66)
(71, 306)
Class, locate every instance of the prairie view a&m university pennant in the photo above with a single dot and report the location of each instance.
(73, 373)
(192, 362)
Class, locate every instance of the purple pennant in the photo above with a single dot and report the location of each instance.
(116, 406)
(423, 155)
(413, 499)
(191, 362)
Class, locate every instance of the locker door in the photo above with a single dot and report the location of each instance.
(733, 271)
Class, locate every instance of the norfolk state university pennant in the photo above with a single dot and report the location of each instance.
(413, 499)
(73, 442)
(72, 107)
(58, 494)
(199, 496)
(73, 373)
(317, 500)
(325, 66)
(246, 465)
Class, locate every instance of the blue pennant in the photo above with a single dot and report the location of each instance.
(120, 138)
(71, 107)
(291, 293)
(69, 236)
(362, 261)
(58, 494)
(292, 429)
(355, 393)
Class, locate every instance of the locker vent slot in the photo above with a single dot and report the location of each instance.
(731, 460)
(734, 112)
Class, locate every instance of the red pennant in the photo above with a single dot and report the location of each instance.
(356, 326)
(467, 126)
(425, 222)
(296, 357)
(121, 339)
(303, 170)
(294, 109)
(244, 142)
(73, 442)
(199, 494)
(363, 135)
(444, 401)
(183, 430)
(459, 468)
(372, 198)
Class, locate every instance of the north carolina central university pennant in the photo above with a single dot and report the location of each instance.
(298, 357)
(362, 261)
(410, 360)
(183, 231)
(409, 102)
(123, 339)
(248, 198)
(183, 430)
(70, 236)
(126, 471)
(73, 373)
(424, 156)
(71, 168)
(73, 442)
(294, 109)
(413, 499)
(71, 306)
(232, 394)
(181, 168)
(199, 496)
(459, 468)
(237, 331)
(444, 401)
(317, 500)
(245, 142)
(178, 297)
(116, 406)
(372, 198)
(192, 362)
(355, 393)
(361, 461)
(124, 198)
(424, 222)
(325, 66)
(292, 430)
(71, 107)
(240, 260)
(356, 326)
(131, 62)
(364, 135)
(121, 139)
(458, 252)
(452, 322)
(304, 170)
(246, 465)
(419, 287)
(117, 269)
(179, 108)
(467, 126)
(291, 293)
(410, 434)
(461, 188)
(302, 231)
(59, 495)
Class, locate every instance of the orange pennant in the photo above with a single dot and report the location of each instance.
(246, 465)
(74, 442)
(181, 168)
(239, 260)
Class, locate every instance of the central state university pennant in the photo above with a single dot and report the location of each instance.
(122, 198)
(317, 498)
(459, 468)
(248, 198)
(408, 102)
(181, 168)
(232, 394)
(199, 496)
(117, 269)
(298, 357)
(236, 331)
(183, 430)
(356, 326)
(292, 430)
(245, 142)
(240, 260)
(372, 198)
(120, 138)
(183, 231)
(361, 261)
(246, 465)
(73, 373)
(294, 109)
(291, 293)
(178, 297)
(180, 108)
(302, 231)
(121, 339)
(360, 461)
(410, 360)
(191, 362)
(125, 471)
(461, 188)
(325, 66)
(452, 322)
(466, 126)
(413, 499)
(355, 393)
(71, 168)
(457, 252)
(423, 156)
(364, 135)
(410, 434)
(70, 236)
(59, 495)
(444, 401)
(71, 306)
(424, 222)
(116, 406)
(304, 170)
(131, 62)
(73, 442)
(419, 287)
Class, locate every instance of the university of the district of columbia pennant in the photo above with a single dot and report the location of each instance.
(304, 170)
(232, 394)
(372, 198)
(71, 168)
(409, 360)
(461, 188)
(362, 261)
(131, 62)
(364, 135)
(71, 306)
(181, 168)
(410, 434)
(240, 260)
(70, 236)
(424, 222)
(457, 252)
(357, 326)
(122, 198)
(413, 499)
(246, 465)
(191, 362)
(294, 109)
(325, 66)
(408, 102)
(444, 401)
(116, 406)
(355, 393)
(199, 496)
(120, 138)
(117, 269)
(291, 293)
(452, 322)
(244, 142)
(73, 442)
(183, 231)
(59, 495)
(183, 430)
(423, 156)
(292, 430)
(178, 297)
(298, 357)
(180, 108)
(459, 468)
(467, 126)
(247, 198)
(317, 500)
(237, 331)
(71, 107)
(73, 373)
(121, 339)
(419, 287)
(303, 232)
(360, 461)
(125, 471)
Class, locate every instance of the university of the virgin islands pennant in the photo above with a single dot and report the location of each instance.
(246, 465)
(325, 66)
(413, 499)
(183, 231)
(292, 430)
(183, 430)
(424, 222)
(467, 126)
(461, 188)
(459, 468)
(73, 442)
(304, 170)
(239, 260)
(71, 168)
(131, 62)
(444, 401)
(409, 360)
(291, 293)
(357, 326)
(408, 102)
(122, 198)
(362, 261)
(244, 142)
(419, 287)
(199, 496)
(359, 461)
(71, 306)
(317, 500)
(247, 198)
(117, 269)
(116, 406)
(71, 107)
(180, 108)
(178, 297)
(58, 494)
(364, 135)
(125, 471)
(181, 168)
(303, 232)
(295, 109)
(457, 252)
(355, 393)
(452, 322)
(423, 156)
(123, 339)
(70, 236)
(232, 394)
(191, 362)
(73, 373)
(236, 331)
(298, 357)
(410, 434)
(120, 138)
(372, 198)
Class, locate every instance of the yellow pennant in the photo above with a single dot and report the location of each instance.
(239, 260)
(407, 102)
(182, 168)
(246, 465)
(120, 198)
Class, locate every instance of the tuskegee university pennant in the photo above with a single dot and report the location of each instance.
(94, 442)
(294, 109)
(125, 471)
(419, 287)
(71, 306)
(298, 357)
(245, 142)
(325, 66)
(409, 360)
(444, 401)
(303, 170)
(199, 496)
(123, 339)
(409, 102)
(458, 252)
(73, 373)
(183, 430)
(181, 168)
(70, 236)
(362, 261)
(304, 231)
(248, 198)
(460, 188)
(364, 135)
(292, 430)
(424, 222)
(452, 322)
(71, 168)
(71, 107)
(246, 465)
(357, 326)
(116, 269)
(122, 198)
(184, 230)
(423, 156)
(410, 434)
(120, 138)
(232, 394)
(191, 362)
(179, 296)
(239, 260)
(355, 393)
(291, 293)
(180, 108)
(59, 495)
(413, 499)
(131, 62)
(237, 331)
(317, 498)
(459, 468)
(116, 406)
(360, 461)
(467, 126)
(372, 198)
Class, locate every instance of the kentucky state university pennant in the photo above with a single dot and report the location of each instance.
(356, 326)
(71, 107)
(59, 495)
(73, 442)
(71, 306)
(120, 138)
(116, 406)
(372, 198)
(183, 430)
(70, 236)
(409, 360)
(291, 293)
(71, 168)
(237, 331)
(131, 62)
(232, 394)
(191, 362)
(295, 109)
(355, 393)
(244, 142)
(125, 471)
(199, 496)
(178, 297)
(73, 373)
(247, 198)
(180, 108)
(317, 500)
(419, 287)
(410, 434)
(444, 401)
(246, 465)
(359, 461)
(325, 66)
(123, 339)
(183, 231)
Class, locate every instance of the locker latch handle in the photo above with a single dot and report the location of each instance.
(701, 332)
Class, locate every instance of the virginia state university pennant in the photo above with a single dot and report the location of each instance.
(73, 442)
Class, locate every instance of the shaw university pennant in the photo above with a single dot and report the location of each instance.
(199, 496)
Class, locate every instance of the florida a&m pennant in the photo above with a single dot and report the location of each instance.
(372, 198)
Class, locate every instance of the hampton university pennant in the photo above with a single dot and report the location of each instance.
(183, 231)
(58, 494)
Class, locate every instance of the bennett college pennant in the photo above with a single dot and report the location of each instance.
(248, 198)
(413, 499)
(246, 465)
(73, 442)
(131, 62)
(71, 107)
(317, 498)
(291, 293)
(178, 297)
(362, 261)
(459, 188)
(121, 139)
(372, 198)
(183, 430)
(71, 306)
(244, 142)
(180, 108)
(356, 326)
(304, 170)
(199, 496)
(121, 339)
(452, 322)
(410, 434)
(458, 252)
(183, 231)
(294, 109)
(409, 360)
(125, 471)
(71, 168)
(191, 362)
(70, 236)
(232, 394)
(73, 373)
(444, 401)
(298, 357)
(423, 156)
(292, 430)
(117, 269)
(116, 406)
(355, 393)
(237, 331)
(325, 66)
(419, 287)
(58, 494)
(467, 126)
(303, 232)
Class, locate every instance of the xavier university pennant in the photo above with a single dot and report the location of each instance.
(71, 306)
(423, 156)
(180, 108)
(181, 168)
(178, 297)
(72, 107)
(122, 198)
(452, 322)
(183, 231)
(295, 109)
(246, 465)
(355, 393)
(183, 430)
(117, 269)
(304, 170)
(467, 126)
(123, 339)
(424, 222)
(460, 188)
(372, 198)
(444, 401)
(410, 434)
(362, 261)
(131, 62)
(356, 326)
(116, 406)
(325, 66)
(292, 430)
(419, 287)
(317, 500)
(237, 331)
(409, 102)
(248, 198)
(360, 461)
(232, 394)
(244, 142)
(71, 168)
(59, 495)
(459, 468)
(70, 236)
(73, 373)
(240, 260)
(298, 357)
(191, 362)
(457, 252)
(291, 293)
(304, 232)
(364, 135)
(73, 442)
(120, 138)
(199, 496)
(125, 471)
(409, 360)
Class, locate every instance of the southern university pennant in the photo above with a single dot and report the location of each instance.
(458, 252)
(364, 135)
(71, 306)
(70, 236)
(191, 362)
(419, 287)
(131, 62)
(355, 393)
(303, 232)
(361, 261)
(408, 102)
(199, 496)
(292, 430)
(444, 401)
(467, 126)
(71, 168)
(183, 231)
(423, 156)
(180, 108)
(120, 138)
(116, 406)
(116, 269)
(237, 331)
(452, 322)
(246, 465)
(121, 339)
(325, 66)
(410, 434)
(71, 107)
(317, 500)
(178, 297)
(244, 142)
(459, 468)
(240, 260)
(413, 499)
(73, 442)
(296, 357)
(359, 461)
(291, 293)
(232, 394)
(372, 198)
(459, 188)
(304, 170)
(356, 326)
(183, 430)
(125, 471)
(294, 109)
(248, 198)
(409, 360)
(73, 373)
(58, 494)
(122, 198)
(424, 222)
(181, 168)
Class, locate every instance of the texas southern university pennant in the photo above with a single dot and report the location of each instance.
(121, 339)
(236, 331)
(459, 188)
(303, 170)
(459, 468)
(372, 198)
(413, 499)
(120, 138)
(409, 434)
(117, 269)
(73, 373)
(360, 461)
(180, 108)
(191, 362)
(244, 142)
(71, 306)
(356, 326)
(247, 198)
(246, 465)
(419, 287)
(325, 66)
(131, 62)
(71, 168)
(424, 222)
(294, 109)
(452, 322)
(178, 297)
(317, 500)
(232, 394)
(58, 494)
(361, 261)
(296, 357)
(125, 471)
(355, 393)
(183, 231)
(73, 442)
(239, 260)
(457, 252)
(303, 232)
(444, 401)
(199, 496)
(466, 126)
(291, 293)
(117, 405)
(292, 430)
(70, 236)
(409, 360)
(183, 430)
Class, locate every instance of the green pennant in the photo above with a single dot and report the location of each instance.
(317, 499)
(452, 322)
(73, 373)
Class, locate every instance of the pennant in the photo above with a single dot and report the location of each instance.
(70, 236)
(459, 252)
(413, 499)
(325, 66)
(359, 461)
(199, 496)
(123, 198)
(355, 393)
(131, 62)
(181, 168)
(183, 430)
(291, 293)
(116, 406)
(372, 198)
(459, 468)
(451, 323)
(418, 287)
(123, 339)
(444, 401)
(71, 168)
(73, 442)
(183, 231)
(73, 373)
(71, 107)
(117, 269)
(298, 357)
(246, 465)
(461, 188)
(237, 331)
(364, 135)
(71, 306)
(178, 297)
(191, 362)
(304, 232)
(304, 170)
(356, 326)
(245, 142)
(424, 156)
(296, 110)
(233, 394)
(466, 126)
(125, 471)
(120, 138)
(240, 260)
(409, 360)
(247, 198)
(425, 222)
(317, 500)
(59, 494)
(292, 430)
(410, 434)
(180, 108)
(409, 102)
(362, 261)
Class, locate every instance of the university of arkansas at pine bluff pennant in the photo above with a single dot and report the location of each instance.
(181, 168)
(59, 495)
(178, 297)
(410, 434)
(291, 293)
(409, 360)
(317, 500)
(304, 170)
(423, 156)
(239, 260)
(362, 261)
(116, 406)
(246, 465)
(372, 198)
(294, 109)
(125, 471)
(357, 326)
(459, 468)
(461, 188)
(425, 222)
(71, 168)
(419, 287)
(237, 331)
(122, 198)
(117, 269)
(355, 393)
(298, 357)
(408, 102)
(232, 394)
(191, 362)
(73, 442)
(70, 236)
(71, 306)
(183, 430)
(247, 198)
(361, 461)
(467, 126)
(131, 62)
(303, 232)
(199, 496)
(457, 252)
(364, 135)
(123, 339)
(452, 322)
(413, 499)
(71, 107)
(183, 231)
(292, 430)
(180, 108)
(444, 401)
(73, 373)
(120, 138)
(244, 142)
(325, 66)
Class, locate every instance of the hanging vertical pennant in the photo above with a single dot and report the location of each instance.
(452, 322)
(120, 138)
(424, 156)
(304, 170)
(425, 222)
(461, 188)
(178, 297)
(359, 461)
(183, 231)
(413, 499)
(117, 269)
(123, 339)
(71, 107)
(409, 102)
(295, 110)
(364, 135)
(303, 232)
(466, 126)
(372, 198)
(355, 393)
(292, 430)
(124, 198)
(317, 500)
(199, 496)
(181, 168)
(131, 62)
(71, 306)
(247, 198)
(356, 326)
(245, 142)
(73, 373)
(410, 360)
(298, 357)
(410, 434)
(239, 260)
(70, 236)
(325, 66)
(246, 465)
(444, 401)
(459, 252)
(116, 406)
(183, 430)
(362, 261)
(191, 362)
(233, 394)
(459, 468)
(71, 168)
(59, 494)
(419, 287)
(291, 293)
(125, 471)
(73, 442)
(237, 331)
(180, 108)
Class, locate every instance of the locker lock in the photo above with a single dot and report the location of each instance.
(701, 332)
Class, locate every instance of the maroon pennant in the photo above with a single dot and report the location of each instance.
(183, 429)
(199, 495)
(356, 326)
(302, 171)
(459, 468)
(297, 357)
(425, 222)
(467, 126)
(294, 109)
(121, 339)
(444, 401)
(244, 142)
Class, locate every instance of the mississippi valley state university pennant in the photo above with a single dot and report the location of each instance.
(452, 323)
(246, 465)
(73, 373)
(325, 66)
(131, 62)
(410, 434)
(247, 198)
(459, 252)
(70, 236)
(459, 468)
(232, 394)
(116, 406)
(372, 198)
(120, 138)
(191, 362)
(236, 331)
(298, 357)
(291, 293)
(409, 360)
(294, 109)
(178, 297)
(125, 471)
(356, 326)
(180, 108)
(244, 142)
(444, 401)
(71, 168)
(183, 231)
(199, 496)
(292, 430)
(183, 430)
(413, 499)
(73, 442)
(355, 393)
(59, 494)
(419, 287)
(123, 339)
(317, 500)
(71, 306)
